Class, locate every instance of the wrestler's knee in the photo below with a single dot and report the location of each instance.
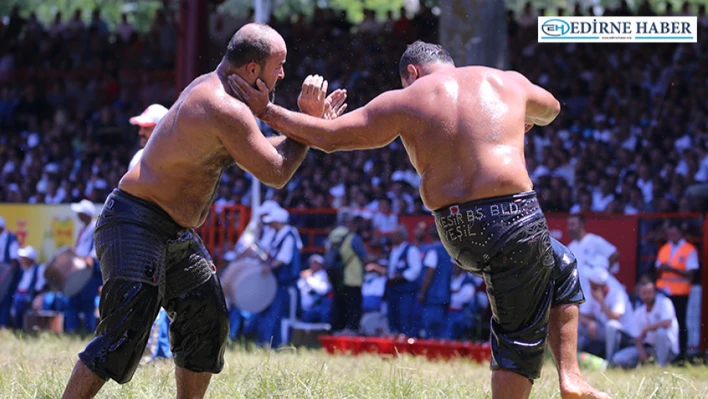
(200, 330)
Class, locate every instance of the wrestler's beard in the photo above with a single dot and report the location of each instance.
(272, 96)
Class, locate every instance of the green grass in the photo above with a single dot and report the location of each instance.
(38, 367)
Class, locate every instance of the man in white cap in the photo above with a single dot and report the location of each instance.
(9, 248)
(607, 321)
(284, 263)
(32, 283)
(147, 122)
(315, 291)
(83, 303)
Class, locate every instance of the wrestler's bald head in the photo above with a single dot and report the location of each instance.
(254, 42)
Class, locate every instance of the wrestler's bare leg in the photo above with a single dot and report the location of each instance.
(191, 385)
(509, 385)
(83, 384)
(563, 340)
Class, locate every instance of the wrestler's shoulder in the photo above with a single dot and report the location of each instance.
(207, 99)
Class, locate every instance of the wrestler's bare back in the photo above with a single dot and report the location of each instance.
(464, 132)
(206, 131)
(183, 161)
(463, 129)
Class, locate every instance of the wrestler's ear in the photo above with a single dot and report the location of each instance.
(253, 70)
(412, 73)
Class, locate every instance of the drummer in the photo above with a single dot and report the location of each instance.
(9, 247)
(84, 301)
(284, 263)
(32, 283)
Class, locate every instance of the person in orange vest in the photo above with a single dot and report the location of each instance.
(676, 265)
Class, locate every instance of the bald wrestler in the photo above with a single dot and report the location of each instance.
(149, 252)
(464, 132)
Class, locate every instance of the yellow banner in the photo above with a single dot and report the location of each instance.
(45, 227)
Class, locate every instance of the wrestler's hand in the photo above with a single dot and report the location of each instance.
(335, 104)
(256, 98)
(312, 97)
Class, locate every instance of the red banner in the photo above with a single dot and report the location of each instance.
(619, 230)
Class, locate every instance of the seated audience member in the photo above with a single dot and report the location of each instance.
(315, 291)
(605, 325)
(657, 330)
(462, 294)
(32, 283)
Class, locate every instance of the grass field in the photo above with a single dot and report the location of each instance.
(38, 367)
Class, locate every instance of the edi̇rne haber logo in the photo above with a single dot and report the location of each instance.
(617, 29)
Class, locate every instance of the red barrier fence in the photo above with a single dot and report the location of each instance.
(637, 237)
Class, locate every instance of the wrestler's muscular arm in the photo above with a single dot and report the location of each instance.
(541, 107)
(373, 126)
(272, 162)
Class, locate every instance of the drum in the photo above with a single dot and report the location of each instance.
(247, 287)
(7, 274)
(44, 320)
(67, 273)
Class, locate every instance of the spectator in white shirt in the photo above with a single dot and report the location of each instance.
(404, 268)
(32, 283)
(125, 29)
(314, 289)
(590, 250)
(607, 322)
(602, 196)
(373, 288)
(84, 301)
(462, 289)
(384, 220)
(657, 330)
(147, 122)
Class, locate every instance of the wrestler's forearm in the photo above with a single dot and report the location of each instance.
(300, 127)
(293, 154)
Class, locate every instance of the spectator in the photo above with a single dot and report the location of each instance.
(404, 268)
(384, 220)
(435, 291)
(462, 290)
(147, 122)
(315, 291)
(657, 330)
(676, 265)
(344, 262)
(9, 251)
(32, 283)
(82, 304)
(587, 246)
(606, 324)
(285, 255)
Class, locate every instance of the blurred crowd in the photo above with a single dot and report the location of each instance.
(630, 138)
